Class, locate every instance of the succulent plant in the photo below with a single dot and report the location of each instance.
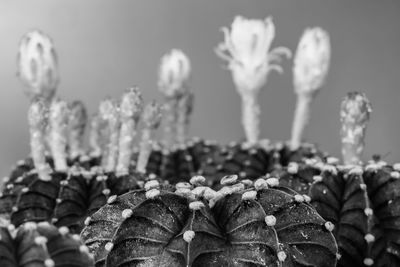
(246, 48)
(239, 225)
(176, 158)
(42, 245)
(359, 199)
(65, 195)
(38, 71)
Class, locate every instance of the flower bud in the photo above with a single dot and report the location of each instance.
(37, 63)
(354, 116)
(173, 73)
(311, 62)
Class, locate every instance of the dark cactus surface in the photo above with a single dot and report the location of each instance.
(41, 245)
(65, 200)
(362, 203)
(239, 225)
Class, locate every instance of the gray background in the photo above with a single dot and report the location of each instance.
(106, 46)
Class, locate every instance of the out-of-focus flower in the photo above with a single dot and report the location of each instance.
(37, 63)
(174, 73)
(311, 63)
(247, 49)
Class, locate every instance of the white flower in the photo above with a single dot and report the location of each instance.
(312, 59)
(173, 73)
(247, 49)
(37, 62)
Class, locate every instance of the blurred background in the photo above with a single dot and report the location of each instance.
(107, 46)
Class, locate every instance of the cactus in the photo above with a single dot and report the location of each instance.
(246, 48)
(61, 194)
(259, 225)
(42, 245)
(359, 199)
(177, 157)
(38, 71)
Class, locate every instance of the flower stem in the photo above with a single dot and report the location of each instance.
(37, 116)
(301, 120)
(130, 110)
(127, 136)
(170, 126)
(185, 107)
(251, 117)
(58, 134)
(354, 116)
(77, 124)
(95, 142)
(109, 113)
(151, 119)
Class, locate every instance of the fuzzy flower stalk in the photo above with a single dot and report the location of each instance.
(96, 140)
(37, 117)
(58, 119)
(152, 115)
(173, 76)
(109, 113)
(37, 65)
(76, 128)
(246, 48)
(311, 65)
(130, 110)
(354, 115)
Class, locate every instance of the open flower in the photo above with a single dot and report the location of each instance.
(37, 62)
(311, 63)
(247, 49)
(173, 73)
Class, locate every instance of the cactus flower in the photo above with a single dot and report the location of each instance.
(311, 62)
(311, 65)
(246, 48)
(37, 64)
(174, 73)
